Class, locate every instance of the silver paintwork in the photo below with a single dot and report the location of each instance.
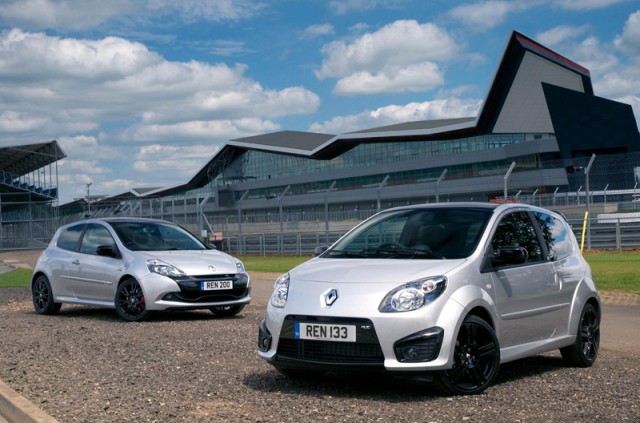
(88, 279)
(533, 308)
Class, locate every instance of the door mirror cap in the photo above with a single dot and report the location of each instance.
(319, 250)
(510, 255)
(107, 251)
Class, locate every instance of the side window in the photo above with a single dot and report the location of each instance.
(556, 236)
(69, 238)
(95, 236)
(516, 229)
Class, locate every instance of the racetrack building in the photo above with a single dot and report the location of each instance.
(540, 115)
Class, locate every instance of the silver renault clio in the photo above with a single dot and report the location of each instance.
(443, 292)
(136, 266)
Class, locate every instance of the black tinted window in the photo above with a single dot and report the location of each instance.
(556, 236)
(514, 230)
(68, 239)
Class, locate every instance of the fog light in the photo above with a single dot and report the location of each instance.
(264, 337)
(420, 347)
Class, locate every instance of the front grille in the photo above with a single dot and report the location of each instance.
(190, 289)
(366, 350)
(330, 352)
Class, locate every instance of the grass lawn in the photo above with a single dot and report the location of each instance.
(17, 277)
(612, 271)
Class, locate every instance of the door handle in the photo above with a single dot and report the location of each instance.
(76, 261)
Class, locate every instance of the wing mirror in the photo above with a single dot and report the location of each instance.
(319, 250)
(107, 251)
(510, 255)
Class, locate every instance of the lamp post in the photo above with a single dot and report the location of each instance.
(88, 199)
(440, 179)
(506, 179)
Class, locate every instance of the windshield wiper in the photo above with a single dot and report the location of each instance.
(345, 253)
(404, 252)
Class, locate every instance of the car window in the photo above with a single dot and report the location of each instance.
(69, 238)
(439, 233)
(556, 236)
(94, 237)
(153, 236)
(516, 229)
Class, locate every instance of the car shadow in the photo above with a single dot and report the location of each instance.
(384, 387)
(106, 314)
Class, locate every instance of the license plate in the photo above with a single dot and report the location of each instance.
(215, 285)
(325, 332)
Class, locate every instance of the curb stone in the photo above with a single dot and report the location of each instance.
(14, 408)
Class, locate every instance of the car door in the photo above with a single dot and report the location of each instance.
(526, 292)
(568, 268)
(60, 259)
(96, 276)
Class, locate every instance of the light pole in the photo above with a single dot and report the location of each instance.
(88, 199)
(440, 179)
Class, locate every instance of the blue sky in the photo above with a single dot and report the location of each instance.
(142, 93)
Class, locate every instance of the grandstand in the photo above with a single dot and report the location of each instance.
(28, 194)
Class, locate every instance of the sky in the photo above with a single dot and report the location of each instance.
(143, 93)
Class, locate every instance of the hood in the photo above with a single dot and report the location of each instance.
(371, 270)
(194, 262)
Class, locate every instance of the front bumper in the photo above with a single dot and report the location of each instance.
(185, 293)
(417, 351)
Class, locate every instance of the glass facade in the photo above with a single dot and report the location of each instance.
(259, 165)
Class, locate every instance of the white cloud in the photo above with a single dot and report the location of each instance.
(582, 5)
(561, 34)
(314, 31)
(65, 15)
(389, 115)
(389, 60)
(342, 7)
(67, 85)
(61, 14)
(400, 43)
(419, 77)
(186, 132)
(485, 15)
(630, 38)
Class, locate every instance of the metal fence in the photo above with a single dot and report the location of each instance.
(602, 184)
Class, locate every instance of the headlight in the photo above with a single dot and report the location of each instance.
(240, 267)
(165, 269)
(413, 295)
(280, 291)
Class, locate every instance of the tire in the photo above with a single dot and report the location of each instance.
(476, 359)
(42, 296)
(226, 311)
(584, 351)
(130, 302)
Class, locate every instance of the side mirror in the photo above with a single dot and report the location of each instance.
(107, 251)
(319, 250)
(510, 255)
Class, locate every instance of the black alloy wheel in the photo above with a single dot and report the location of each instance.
(584, 351)
(130, 303)
(228, 310)
(42, 296)
(476, 359)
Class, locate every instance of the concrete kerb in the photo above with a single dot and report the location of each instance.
(17, 409)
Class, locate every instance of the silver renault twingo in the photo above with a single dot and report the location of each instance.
(444, 292)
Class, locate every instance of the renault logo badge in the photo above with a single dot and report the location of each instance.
(330, 297)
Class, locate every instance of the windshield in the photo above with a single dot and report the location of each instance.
(435, 233)
(154, 236)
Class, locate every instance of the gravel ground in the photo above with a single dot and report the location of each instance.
(85, 365)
